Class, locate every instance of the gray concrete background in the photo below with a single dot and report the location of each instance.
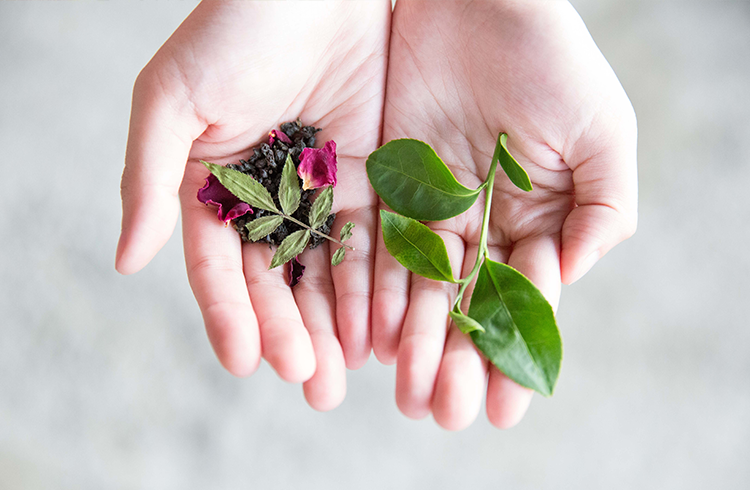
(109, 381)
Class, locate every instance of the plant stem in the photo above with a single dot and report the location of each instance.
(488, 184)
(294, 220)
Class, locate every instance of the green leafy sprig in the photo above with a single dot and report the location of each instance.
(509, 319)
(256, 195)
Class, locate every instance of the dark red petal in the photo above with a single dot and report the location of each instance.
(296, 269)
(230, 206)
(318, 166)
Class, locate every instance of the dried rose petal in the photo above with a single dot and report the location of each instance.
(296, 269)
(317, 167)
(230, 206)
(280, 135)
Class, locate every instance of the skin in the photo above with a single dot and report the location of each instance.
(457, 74)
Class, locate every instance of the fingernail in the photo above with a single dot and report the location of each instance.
(585, 264)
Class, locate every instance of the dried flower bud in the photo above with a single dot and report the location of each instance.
(275, 134)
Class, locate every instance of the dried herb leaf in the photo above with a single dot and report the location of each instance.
(338, 256)
(410, 178)
(346, 231)
(289, 192)
(513, 169)
(260, 227)
(243, 186)
(321, 208)
(292, 246)
(521, 336)
(416, 247)
(464, 323)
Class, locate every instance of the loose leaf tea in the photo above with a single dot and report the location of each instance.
(413, 181)
(509, 319)
(262, 198)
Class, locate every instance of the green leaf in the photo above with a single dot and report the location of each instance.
(410, 178)
(464, 323)
(243, 186)
(289, 193)
(513, 169)
(321, 208)
(346, 231)
(416, 247)
(292, 246)
(260, 227)
(338, 256)
(521, 336)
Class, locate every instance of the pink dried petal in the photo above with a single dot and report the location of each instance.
(296, 269)
(280, 135)
(317, 167)
(230, 206)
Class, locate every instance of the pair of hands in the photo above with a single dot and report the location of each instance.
(453, 74)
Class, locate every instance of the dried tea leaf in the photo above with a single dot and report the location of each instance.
(260, 227)
(321, 208)
(346, 231)
(243, 186)
(338, 256)
(289, 191)
(292, 246)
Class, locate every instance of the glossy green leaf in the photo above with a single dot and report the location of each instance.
(321, 208)
(338, 256)
(289, 192)
(521, 336)
(416, 247)
(243, 186)
(410, 178)
(346, 231)
(512, 168)
(464, 323)
(293, 245)
(260, 227)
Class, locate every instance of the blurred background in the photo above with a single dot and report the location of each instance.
(109, 381)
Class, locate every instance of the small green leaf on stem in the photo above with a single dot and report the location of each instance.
(346, 231)
(416, 247)
(289, 192)
(338, 256)
(292, 246)
(464, 323)
(512, 168)
(243, 186)
(260, 227)
(521, 336)
(321, 208)
(413, 181)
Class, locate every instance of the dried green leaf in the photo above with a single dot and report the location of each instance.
(260, 227)
(243, 186)
(338, 256)
(512, 168)
(464, 323)
(346, 231)
(321, 208)
(410, 178)
(289, 191)
(521, 336)
(416, 247)
(293, 245)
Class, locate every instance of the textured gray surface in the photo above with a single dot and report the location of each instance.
(109, 382)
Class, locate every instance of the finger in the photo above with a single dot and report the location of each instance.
(606, 190)
(537, 259)
(422, 341)
(214, 264)
(316, 300)
(159, 142)
(463, 371)
(285, 342)
(352, 279)
(390, 299)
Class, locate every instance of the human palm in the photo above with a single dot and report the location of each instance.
(460, 73)
(228, 74)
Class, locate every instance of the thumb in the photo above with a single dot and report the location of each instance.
(605, 179)
(161, 133)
